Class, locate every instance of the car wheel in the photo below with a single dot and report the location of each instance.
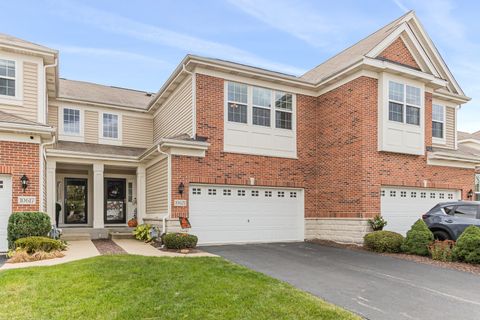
(441, 235)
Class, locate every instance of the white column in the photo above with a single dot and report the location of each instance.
(51, 189)
(141, 194)
(98, 214)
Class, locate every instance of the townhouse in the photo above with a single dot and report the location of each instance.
(247, 154)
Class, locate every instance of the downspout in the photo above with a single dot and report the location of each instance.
(43, 159)
(169, 179)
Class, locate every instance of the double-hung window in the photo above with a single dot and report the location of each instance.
(110, 126)
(262, 102)
(7, 77)
(438, 121)
(283, 110)
(71, 121)
(404, 103)
(237, 102)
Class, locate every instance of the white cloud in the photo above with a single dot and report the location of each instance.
(116, 24)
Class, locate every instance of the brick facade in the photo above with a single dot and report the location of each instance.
(17, 159)
(398, 52)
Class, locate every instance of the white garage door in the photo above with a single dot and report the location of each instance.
(226, 214)
(5, 209)
(401, 207)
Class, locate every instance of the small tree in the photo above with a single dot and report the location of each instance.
(467, 248)
(419, 237)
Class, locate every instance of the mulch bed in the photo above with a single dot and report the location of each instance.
(460, 266)
(107, 246)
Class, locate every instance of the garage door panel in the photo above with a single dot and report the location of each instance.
(249, 214)
(5, 209)
(401, 207)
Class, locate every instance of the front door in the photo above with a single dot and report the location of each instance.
(76, 206)
(115, 209)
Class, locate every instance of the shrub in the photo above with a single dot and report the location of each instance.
(419, 237)
(36, 244)
(383, 241)
(180, 241)
(467, 248)
(27, 224)
(377, 223)
(144, 232)
(442, 250)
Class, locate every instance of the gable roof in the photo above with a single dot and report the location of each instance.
(11, 118)
(352, 54)
(12, 41)
(101, 94)
(461, 135)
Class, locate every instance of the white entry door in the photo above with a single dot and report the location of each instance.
(226, 214)
(401, 207)
(5, 209)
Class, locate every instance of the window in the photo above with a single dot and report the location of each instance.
(283, 110)
(469, 212)
(423, 195)
(196, 191)
(281, 194)
(71, 121)
(404, 103)
(450, 196)
(237, 102)
(432, 195)
(241, 193)
(227, 192)
(293, 194)
(441, 196)
(413, 194)
(268, 194)
(212, 192)
(1, 184)
(130, 192)
(403, 194)
(262, 100)
(438, 121)
(382, 193)
(255, 193)
(393, 193)
(7, 78)
(110, 126)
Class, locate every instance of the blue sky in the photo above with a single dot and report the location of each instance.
(137, 44)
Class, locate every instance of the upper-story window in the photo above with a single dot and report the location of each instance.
(438, 121)
(71, 121)
(110, 126)
(404, 103)
(7, 77)
(242, 99)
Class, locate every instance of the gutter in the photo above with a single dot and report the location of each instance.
(45, 67)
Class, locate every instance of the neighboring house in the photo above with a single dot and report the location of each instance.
(470, 144)
(246, 153)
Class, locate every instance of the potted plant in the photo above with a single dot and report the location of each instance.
(377, 223)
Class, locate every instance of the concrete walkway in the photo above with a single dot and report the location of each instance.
(132, 246)
(77, 250)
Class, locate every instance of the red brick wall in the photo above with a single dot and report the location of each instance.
(229, 168)
(398, 52)
(22, 158)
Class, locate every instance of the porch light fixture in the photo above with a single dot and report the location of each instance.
(470, 194)
(24, 180)
(181, 188)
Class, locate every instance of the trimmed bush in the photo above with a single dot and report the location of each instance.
(27, 224)
(467, 248)
(419, 237)
(179, 241)
(39, 244)
(442, 250)
(383, 241)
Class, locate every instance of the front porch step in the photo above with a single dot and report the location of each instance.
(76, 236)
(121, 235)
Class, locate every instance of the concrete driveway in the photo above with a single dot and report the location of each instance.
(374, 286)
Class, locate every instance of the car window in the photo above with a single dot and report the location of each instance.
(449, 210)
(469, 212)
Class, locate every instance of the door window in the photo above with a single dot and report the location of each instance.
(469, 212)
(115, 200)
(76, 201)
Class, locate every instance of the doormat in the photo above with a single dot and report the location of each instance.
(107, 246)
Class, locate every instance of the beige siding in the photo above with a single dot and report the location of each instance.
(52, 116)
(449, 129)
(137, 132)
(157, 187)
(176, 115)
(91, 126)
(28, 109)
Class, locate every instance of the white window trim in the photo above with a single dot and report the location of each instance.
(107, 140)
(442, 140)
(404, 103)
(68, 136)
(17, 99)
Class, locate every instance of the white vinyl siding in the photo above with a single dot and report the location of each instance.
(52, 116)
(91, 126)
(175, 116)
(157, 188)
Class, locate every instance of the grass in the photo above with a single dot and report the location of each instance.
(136, 287)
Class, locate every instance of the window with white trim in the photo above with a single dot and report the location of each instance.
(283, 110)
(110, 126)
(261, 104)
(237, 102)
(71, 121)
(7, 77)
(438, 121)
(404, 103)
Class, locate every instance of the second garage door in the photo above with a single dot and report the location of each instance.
(401, 207)
(227, 214)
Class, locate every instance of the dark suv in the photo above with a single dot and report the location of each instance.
(447, 220)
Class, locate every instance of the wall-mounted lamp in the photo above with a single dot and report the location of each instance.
(181, 188)
(470, 194)
(24, 180)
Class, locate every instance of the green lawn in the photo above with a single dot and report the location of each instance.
(136, 287)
